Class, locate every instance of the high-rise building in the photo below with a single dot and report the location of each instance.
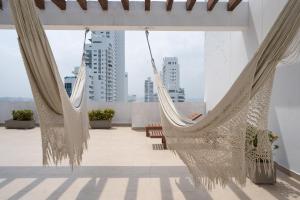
(121, 75)
(155, 97)
(70, 81)
(132, 98)
(105, 61)
(171, 78)
(69, 84)
(149, 94)
(126, 87)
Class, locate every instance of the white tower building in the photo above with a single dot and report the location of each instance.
(69, 84)
(121, 75)
(126, 88)
(105, 61)
(70, 81)
(149, 94)
(171, 78)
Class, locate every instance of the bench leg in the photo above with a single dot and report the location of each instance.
(164, 142)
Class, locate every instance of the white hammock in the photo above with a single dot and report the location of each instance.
(63, 121)
(214, 147)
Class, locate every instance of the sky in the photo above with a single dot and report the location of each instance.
(67, 48)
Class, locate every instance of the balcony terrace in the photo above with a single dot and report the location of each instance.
(121, 163)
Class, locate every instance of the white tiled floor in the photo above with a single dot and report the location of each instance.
(119, 164)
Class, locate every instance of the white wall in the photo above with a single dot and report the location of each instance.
(122, 110)
(226, 55)
(138, 115)
(220, 69)
(284, 116)
(145, 113)
(6, 108)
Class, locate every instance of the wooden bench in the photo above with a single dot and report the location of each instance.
(155, 133)
(158, 133)
(154, 130)
(150, 127)
(195, 116)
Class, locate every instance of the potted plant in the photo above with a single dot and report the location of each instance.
(22, 119)
(101, 119)
(260, 176)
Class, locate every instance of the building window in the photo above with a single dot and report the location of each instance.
(68, 85)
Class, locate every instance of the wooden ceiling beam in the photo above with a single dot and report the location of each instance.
(232, 4)
(169, 5)
(125, 4)
(40, 4)
(211, 4)
(60, 3)
(83, 4)
(103, 4)
(190, 4)
(147, 5)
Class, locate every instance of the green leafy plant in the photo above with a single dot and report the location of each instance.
(251, 129)
(106, 114)
(22, 115)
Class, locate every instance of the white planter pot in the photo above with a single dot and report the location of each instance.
(100, 124)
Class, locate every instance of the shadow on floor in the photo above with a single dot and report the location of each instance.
(285, 188)
(157, 147)
(171, 181)
(98, 176)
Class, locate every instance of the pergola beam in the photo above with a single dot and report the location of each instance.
(115, 18)
(232, 4)
(40, 4)
(60, 3)
(190, 4)
(211, 4)
(125, 4)
(147, 5)
(83, 4)
(169, 5)
(103, 4)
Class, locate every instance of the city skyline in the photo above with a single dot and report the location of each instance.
(137, 59)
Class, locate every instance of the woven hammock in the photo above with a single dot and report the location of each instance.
(216, 148)
(63, 120)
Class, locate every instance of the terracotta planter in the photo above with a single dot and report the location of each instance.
(262, 178)
(15, 124)
(100, 124)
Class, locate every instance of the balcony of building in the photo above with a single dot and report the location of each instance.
(121, 163)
